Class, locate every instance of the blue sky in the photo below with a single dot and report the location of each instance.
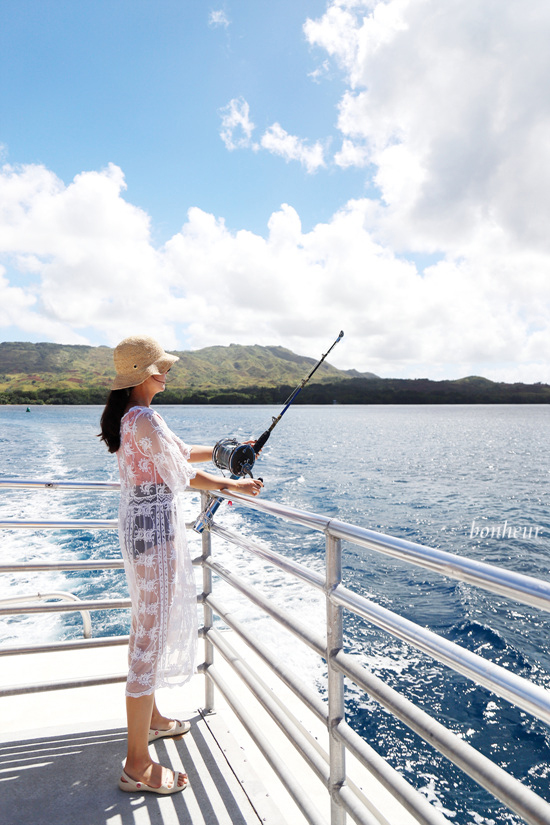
(141, 84)
(270, 173)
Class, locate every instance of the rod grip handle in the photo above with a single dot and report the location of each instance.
(261, 441)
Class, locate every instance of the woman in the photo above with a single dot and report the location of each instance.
(154, 468)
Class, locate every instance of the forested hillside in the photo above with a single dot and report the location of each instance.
(58, 373)
(69, 374)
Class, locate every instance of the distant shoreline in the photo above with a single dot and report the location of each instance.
(362, 391)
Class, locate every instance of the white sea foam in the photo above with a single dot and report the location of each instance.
(305, 603)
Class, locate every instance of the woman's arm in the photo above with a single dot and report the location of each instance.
(206, 481)
(198, 453)
(158, 444)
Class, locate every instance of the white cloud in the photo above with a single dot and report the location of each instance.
(218, 18)
(320, 72)
(301, 287)
(89, 253)
(290, 147)
(79, 257)
(14, 301)
(453, 107)
(18, 308)
(351, 154)
(237, 128)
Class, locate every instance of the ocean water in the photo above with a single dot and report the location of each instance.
(447, 476)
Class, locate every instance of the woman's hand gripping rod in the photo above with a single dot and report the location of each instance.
(229, 455)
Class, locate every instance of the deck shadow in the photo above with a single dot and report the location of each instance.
(71, 779)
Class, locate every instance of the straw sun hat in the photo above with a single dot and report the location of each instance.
(138, 357)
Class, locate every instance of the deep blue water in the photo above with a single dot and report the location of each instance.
(433, 475)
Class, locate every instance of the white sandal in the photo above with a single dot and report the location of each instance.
(126, 783)
(178, 729)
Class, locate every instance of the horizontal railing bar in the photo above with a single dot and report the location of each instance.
(415, 802)
(67, 524)
(411, 799)
(262, 694)
(278, 764)
(67, 607)
(360, 814)
(357, 809)
(59, 524)
(520, 692)
(305, 694)
(496, 780)
(306, 519)
(33, 567)
(40, 597)
(71, 644)
(517, 586)
(36, 484)
(66, 684)
(375, 764)
(46, 597)
(283, 617)
(288, 565)
(20, 483)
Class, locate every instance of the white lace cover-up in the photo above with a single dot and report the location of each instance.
(154, 470)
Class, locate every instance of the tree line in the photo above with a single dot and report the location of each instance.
(351, 391)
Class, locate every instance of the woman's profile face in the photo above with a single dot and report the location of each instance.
(155, 383)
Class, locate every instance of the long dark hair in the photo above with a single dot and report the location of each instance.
(111, 418)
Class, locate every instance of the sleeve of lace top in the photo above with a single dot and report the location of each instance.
(158, 444)
(184, 449)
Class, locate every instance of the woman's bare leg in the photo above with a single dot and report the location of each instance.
(139, 765)
(158, 721)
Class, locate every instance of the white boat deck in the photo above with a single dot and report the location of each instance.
(61, 753)
(69, 779)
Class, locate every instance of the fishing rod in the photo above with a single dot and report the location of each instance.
(239, 459)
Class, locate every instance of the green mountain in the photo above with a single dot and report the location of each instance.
(59, 373)
(67, 374)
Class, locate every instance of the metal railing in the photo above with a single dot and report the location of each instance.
(531, 698)
(71, 603)
(330, 766)
(44, 597)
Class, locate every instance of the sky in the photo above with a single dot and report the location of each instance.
(260, 172)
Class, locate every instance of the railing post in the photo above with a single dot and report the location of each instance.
(336, 711)
(207, 613)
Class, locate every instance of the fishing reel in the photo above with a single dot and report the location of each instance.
(239, 459)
